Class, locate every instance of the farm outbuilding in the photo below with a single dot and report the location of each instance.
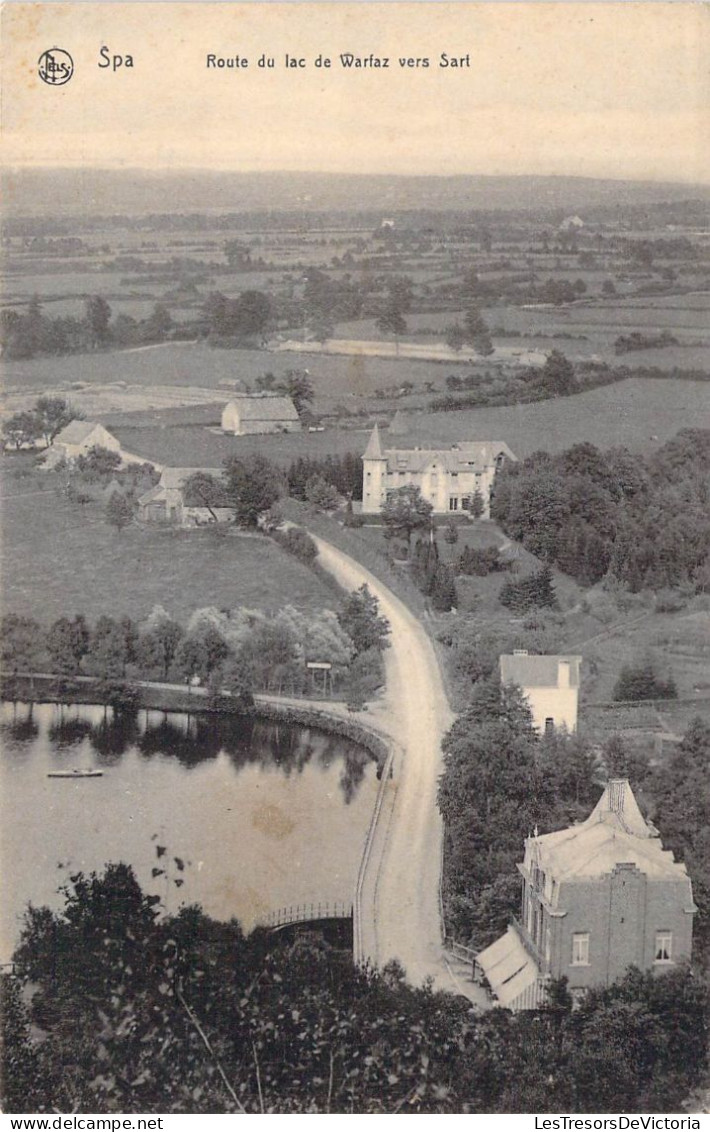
(250, 414)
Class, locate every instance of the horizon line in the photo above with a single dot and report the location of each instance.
(182, 169)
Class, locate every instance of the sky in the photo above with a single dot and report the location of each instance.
(602, 90)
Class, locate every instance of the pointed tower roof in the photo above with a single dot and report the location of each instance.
(374, 447)
(617, 803)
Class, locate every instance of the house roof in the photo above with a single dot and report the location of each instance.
(154, 493)
(467, 456)
(76, 432)
(537, 671)
(615, 833)
(264, 408)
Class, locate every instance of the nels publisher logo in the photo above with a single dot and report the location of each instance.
(55, 66)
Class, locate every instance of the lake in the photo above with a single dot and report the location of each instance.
(261, 815)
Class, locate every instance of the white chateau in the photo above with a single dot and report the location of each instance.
(448, 478)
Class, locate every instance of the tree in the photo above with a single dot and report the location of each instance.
(477, 332)
(22, 429)
(359, 616)
(54, 414)
(455, 337)
(158, 642)
(642, 681)
(21, 643)
(298, 386)
(203, 490)
(321, 495)
(443, 593)
(100, 461)
(249, 314)
(98, 317)
(119, 511)
(557, 375)
(405, 510)
(107, 655)
(477, 505)
(253, 486)
(201, 653)
(451, 534)
(67, 644)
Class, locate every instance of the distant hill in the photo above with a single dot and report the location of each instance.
(104, 192)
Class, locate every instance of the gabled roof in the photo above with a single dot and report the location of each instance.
(615, 833)
(537, 671)
(264, 408)
(155, 493)
(468, 456)
(76, 432)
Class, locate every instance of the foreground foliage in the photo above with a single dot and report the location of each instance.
(115, 1009)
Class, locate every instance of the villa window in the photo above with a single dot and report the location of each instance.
(465, 502)
(454, 503)
(664, 947)
(549, 725)
(580, 949)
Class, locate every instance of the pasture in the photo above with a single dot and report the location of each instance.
(59, 557)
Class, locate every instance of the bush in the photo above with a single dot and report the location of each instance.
(297, 542)
(642, 682)
(479, 563)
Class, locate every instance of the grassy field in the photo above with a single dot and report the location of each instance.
(60, 558)
(635, 413)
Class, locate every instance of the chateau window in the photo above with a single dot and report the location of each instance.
(580, 949)
(454, 503)
(664, 947)
(465, 502)
(549, 725)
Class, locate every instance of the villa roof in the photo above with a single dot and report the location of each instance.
(264, 408)
(615, 833)
(537, 671)
(462, 457)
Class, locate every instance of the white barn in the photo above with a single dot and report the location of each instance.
(258, 413)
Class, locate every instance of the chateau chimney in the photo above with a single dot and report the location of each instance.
(563, 669)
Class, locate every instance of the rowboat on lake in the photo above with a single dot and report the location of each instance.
(75, 773)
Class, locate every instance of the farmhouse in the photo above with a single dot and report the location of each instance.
(262, 412)
(448, 478)
(169, 502)
(550, 685)
(597, 898)
(78, 437)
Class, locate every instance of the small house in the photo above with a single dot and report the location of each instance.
(550, 684)
(79, 437)
(170, 502)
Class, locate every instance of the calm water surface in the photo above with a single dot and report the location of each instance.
(264, 815)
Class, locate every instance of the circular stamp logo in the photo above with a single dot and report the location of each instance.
(55, 66)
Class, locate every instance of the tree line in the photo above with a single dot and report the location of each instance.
(642, 520)
(35, 333)
(238, 650)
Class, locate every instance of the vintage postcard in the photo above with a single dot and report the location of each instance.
(355, 420)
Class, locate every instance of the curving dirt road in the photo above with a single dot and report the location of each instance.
(405, 866)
